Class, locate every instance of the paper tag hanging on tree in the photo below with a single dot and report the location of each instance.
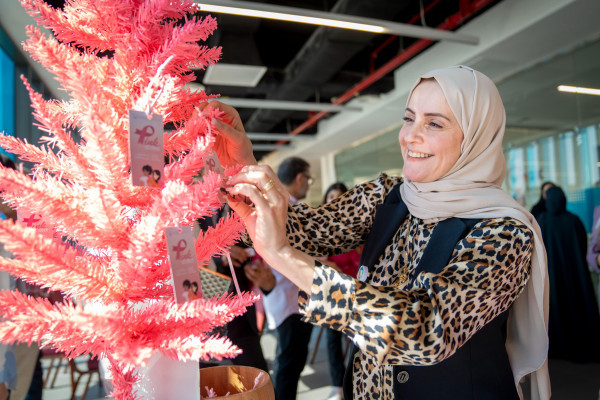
(37, 221)
(184, 266)
(212, 163)
(146, 148)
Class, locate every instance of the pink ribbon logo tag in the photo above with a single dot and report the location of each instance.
(146, 132)
(32, 219)
(179, 248)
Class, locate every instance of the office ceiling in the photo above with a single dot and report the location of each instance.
(317, 64)
(306, 63)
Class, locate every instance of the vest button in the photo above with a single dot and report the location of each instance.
(403, 377)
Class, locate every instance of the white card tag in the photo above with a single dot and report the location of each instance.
(146, 149)
(212, 163)
(184, 266)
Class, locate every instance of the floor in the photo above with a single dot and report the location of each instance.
(569, 381)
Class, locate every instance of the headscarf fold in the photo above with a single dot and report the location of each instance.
(472, 189)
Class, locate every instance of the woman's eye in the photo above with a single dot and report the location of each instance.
(407, 119)
(435, 125)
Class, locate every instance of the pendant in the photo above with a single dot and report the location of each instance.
(362, 273)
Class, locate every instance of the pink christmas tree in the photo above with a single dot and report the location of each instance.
(112, 56)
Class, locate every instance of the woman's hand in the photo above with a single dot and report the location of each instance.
(262, 203)
(232, 145)
(238, 256)
(266, 215)
(260, 274)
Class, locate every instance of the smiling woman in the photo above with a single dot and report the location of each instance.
(431, 137)
(450, 259)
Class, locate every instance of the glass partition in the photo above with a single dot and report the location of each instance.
(7, 94)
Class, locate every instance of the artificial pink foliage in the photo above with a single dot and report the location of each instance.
(107, 56)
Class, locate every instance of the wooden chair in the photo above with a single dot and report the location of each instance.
(77, 374)
(52, 355)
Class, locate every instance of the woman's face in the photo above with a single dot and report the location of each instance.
(545, 189)
(431, 137)
(332, 195)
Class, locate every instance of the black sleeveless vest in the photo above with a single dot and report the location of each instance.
(479, 369)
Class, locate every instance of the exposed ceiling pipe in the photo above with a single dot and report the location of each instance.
(391, 38)
(450, 23)
(285, 105)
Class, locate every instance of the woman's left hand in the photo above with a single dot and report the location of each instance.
(266, 215)
(232, 145)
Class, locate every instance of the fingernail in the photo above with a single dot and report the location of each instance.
(215, 122)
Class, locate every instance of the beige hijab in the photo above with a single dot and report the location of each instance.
(471, 189)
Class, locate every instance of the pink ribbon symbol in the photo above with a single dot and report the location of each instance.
(144, 133)
(31, 220)
(181, 246)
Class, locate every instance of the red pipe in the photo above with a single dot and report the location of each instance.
(451, 22)
(391, 38)
(378, 49)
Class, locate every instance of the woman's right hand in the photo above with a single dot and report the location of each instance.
(264, 212)
(232, 145)
(266, 215)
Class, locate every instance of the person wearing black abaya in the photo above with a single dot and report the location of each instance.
(574, 318)
(539, 207)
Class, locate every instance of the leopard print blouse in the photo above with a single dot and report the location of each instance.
(395, 317)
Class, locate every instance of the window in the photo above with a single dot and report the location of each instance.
(7, 95)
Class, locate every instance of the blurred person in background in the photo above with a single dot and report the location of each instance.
(574, 320)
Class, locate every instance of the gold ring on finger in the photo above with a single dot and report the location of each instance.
(267, 186)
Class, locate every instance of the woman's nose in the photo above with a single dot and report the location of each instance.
(412, 133)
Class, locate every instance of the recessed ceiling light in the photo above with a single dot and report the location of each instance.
(233, 75)
(577, 89)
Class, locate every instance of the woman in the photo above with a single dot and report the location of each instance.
(539, 207)
(574, 319)
(156, 182)
(410, 324)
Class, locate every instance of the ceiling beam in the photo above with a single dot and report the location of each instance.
(286, 105)
(269, 147)
(264, 10)
(277, 136)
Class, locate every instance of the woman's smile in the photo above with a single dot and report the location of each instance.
(414, 154)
